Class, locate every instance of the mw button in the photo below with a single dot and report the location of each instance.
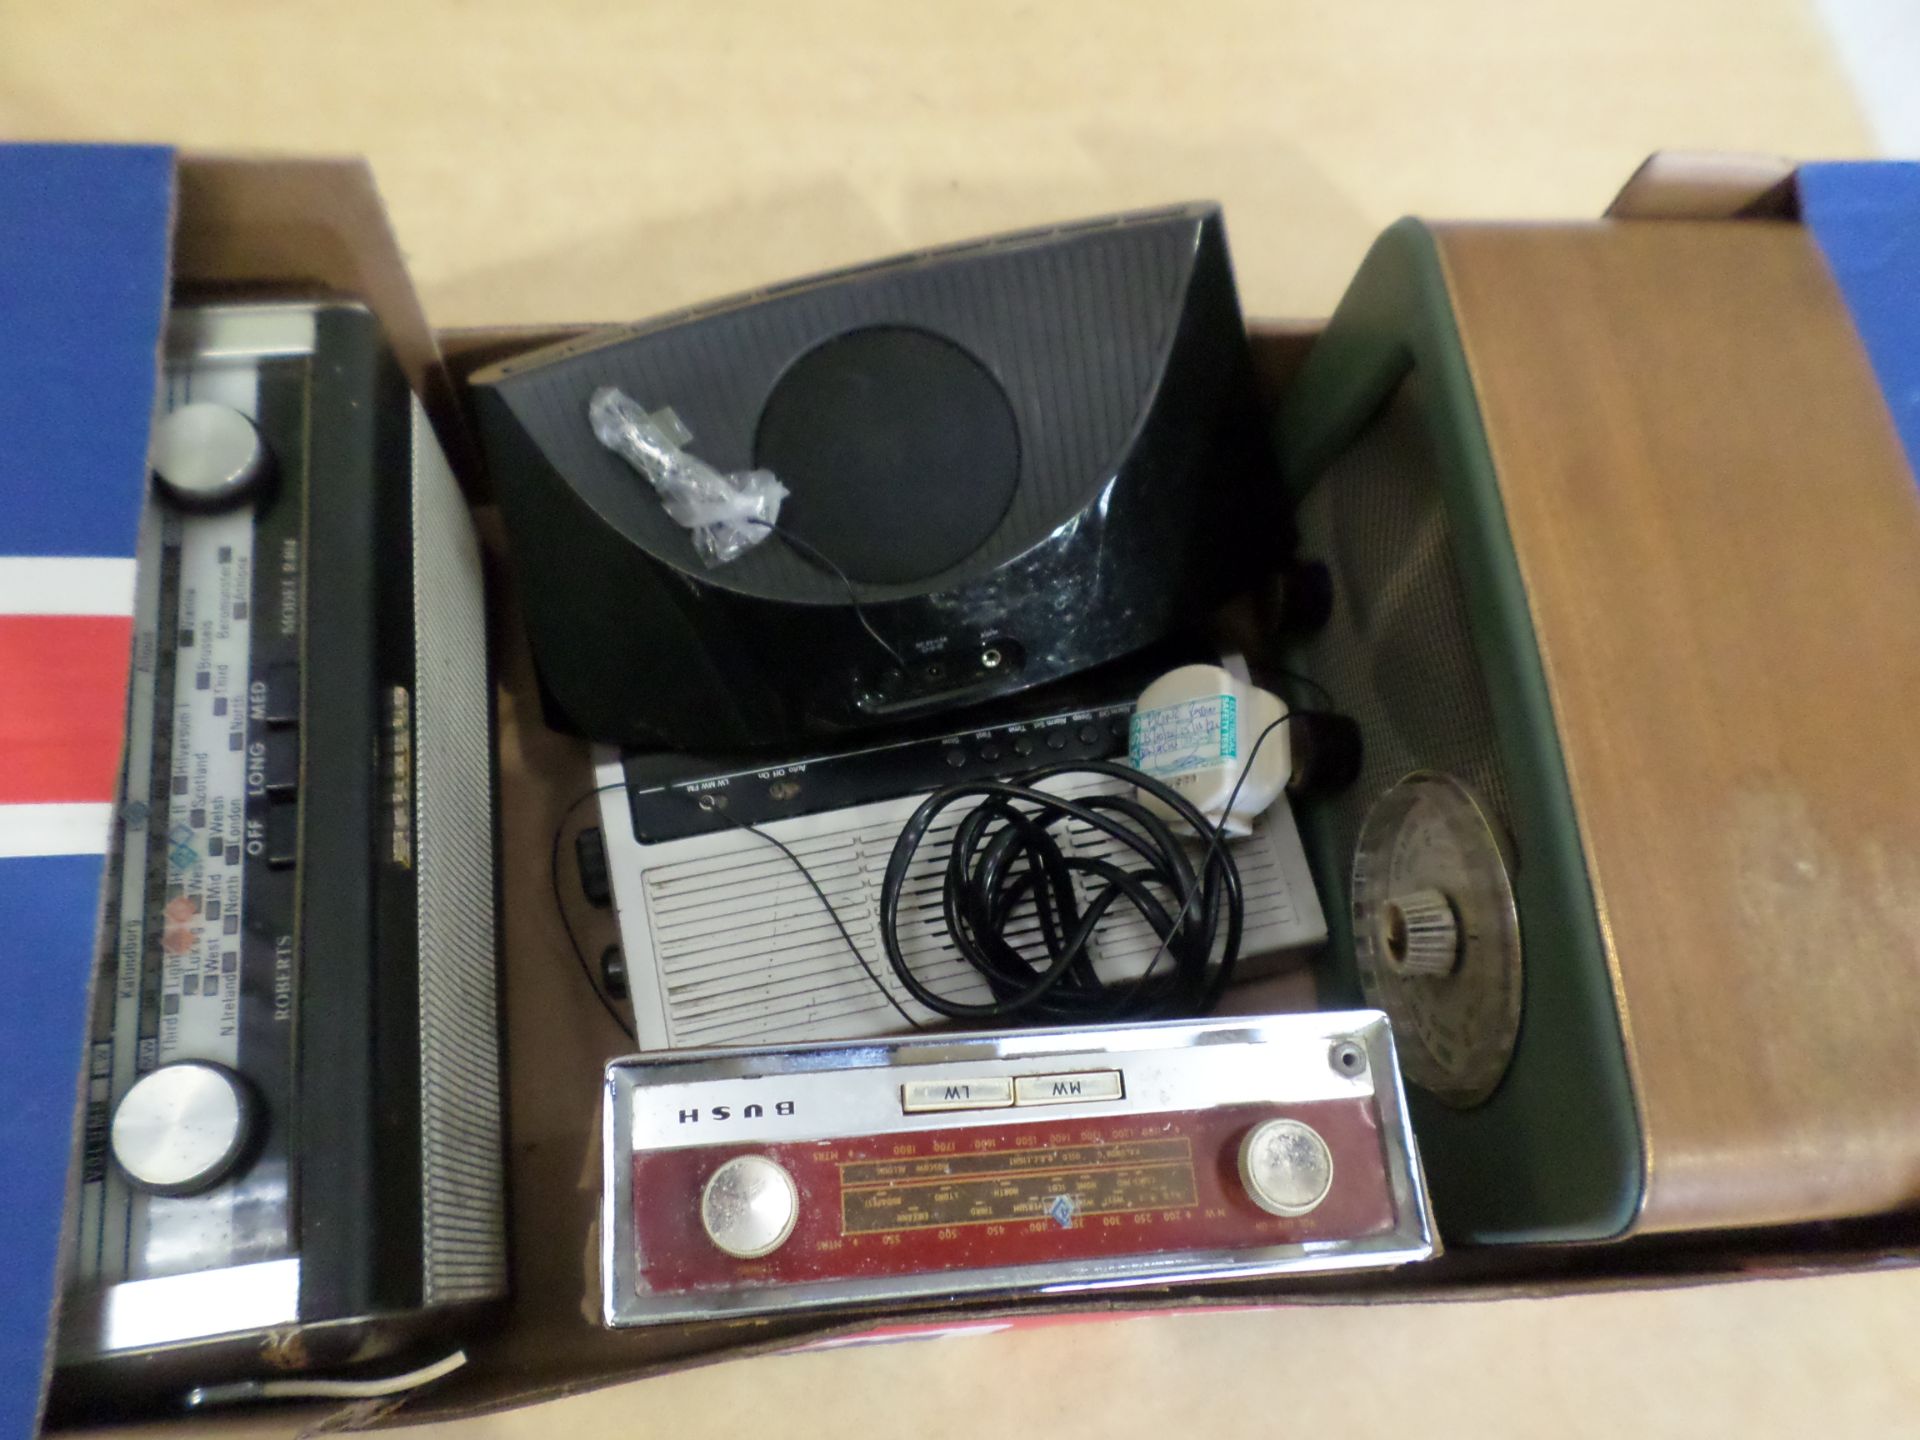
(1070, 1089)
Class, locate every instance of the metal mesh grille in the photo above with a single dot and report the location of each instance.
(463, 1221)
(1397, 654)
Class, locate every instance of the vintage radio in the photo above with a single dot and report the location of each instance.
(748, 1181)
(724, 943)
(292, 1145)
(1625, 576)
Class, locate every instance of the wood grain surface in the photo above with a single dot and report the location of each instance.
(1720, 543)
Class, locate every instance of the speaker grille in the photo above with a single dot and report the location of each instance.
(1397, 654)
(743, 952)
(1108, 296)
(463, 1232)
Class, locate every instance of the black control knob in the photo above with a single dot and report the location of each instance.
(596, 874)
(1327, 754)
(1300, 600)
(613, 972)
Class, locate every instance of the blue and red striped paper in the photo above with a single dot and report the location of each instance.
(84, 243)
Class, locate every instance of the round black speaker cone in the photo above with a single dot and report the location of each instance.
(899, 448)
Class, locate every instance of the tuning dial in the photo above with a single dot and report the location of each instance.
(1286, 1167)
(1422, 934)
(207, 456)
(180, 1128)
(748, 1207)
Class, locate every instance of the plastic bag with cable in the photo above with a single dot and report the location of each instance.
(727, 514)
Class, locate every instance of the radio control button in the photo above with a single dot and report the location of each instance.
(1072, 1089)
(282, 833)
(920, 1096)
(206, 455)
(281, 704)
(1057, 738)
(281, 772)
(749, 1206)
(179, 1129)
(1286, 1167)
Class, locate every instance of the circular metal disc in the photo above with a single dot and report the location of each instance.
(1286, 1167)
(206, 455)
(1456, 1031)
(179, 1129)
(749, 1206)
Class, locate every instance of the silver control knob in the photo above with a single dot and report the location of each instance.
(1422, 934)
(1286, 1167)
(180, 1128)
(206, 456)
(748, 1207)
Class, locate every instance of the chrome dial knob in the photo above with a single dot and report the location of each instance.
(180, 1129)
(749, 1206)
(1286, 1167)
(206, 456)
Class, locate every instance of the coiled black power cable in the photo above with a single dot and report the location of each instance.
(1005, 854)
(1004, 851)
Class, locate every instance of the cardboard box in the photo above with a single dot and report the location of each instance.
(241, 225)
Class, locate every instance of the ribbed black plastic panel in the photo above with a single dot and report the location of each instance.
(1075, 326)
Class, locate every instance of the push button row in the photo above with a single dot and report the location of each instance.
(1000, 1091)
(281, 764)
(1089, 737)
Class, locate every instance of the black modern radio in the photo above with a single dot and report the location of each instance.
(1005, 462)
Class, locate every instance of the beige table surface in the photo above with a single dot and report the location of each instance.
(569, 160)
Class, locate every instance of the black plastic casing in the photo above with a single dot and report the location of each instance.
(1146, 492)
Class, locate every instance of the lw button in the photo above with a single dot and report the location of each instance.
(1286, 1167)
(920, 1096)
(280, 769)
(749, 1206)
